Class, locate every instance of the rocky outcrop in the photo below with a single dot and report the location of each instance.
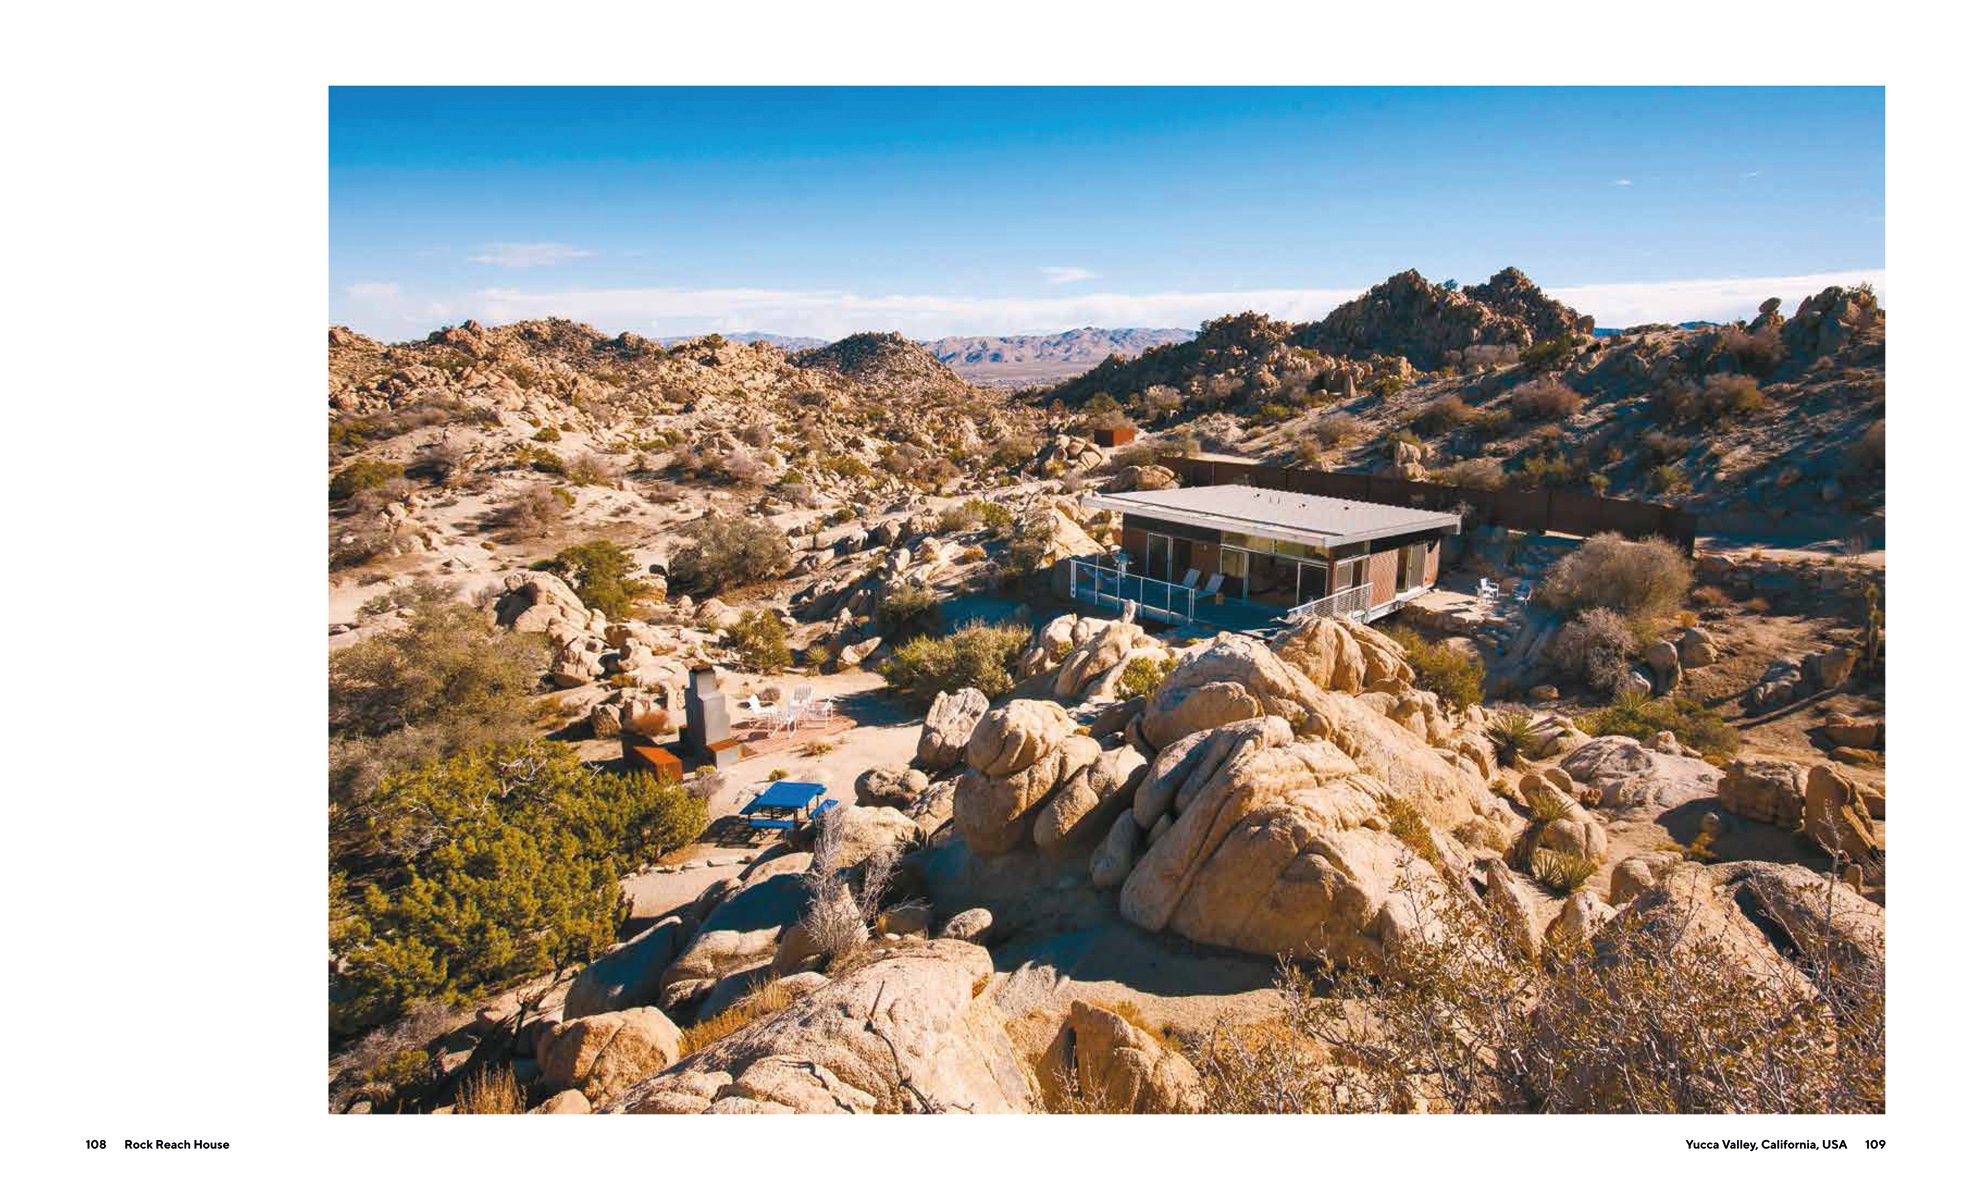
(739, 932)
(1106, 1063)
(906, 1032)
(1233, 678)
(992, 808)
(1632, 778)
(1344, 656)
(1085, 804)
(603, 1054)
(948, 727)
(1430, 325)
(1835, 811)
(1768, 790)
(629, 976)
(1143, 477)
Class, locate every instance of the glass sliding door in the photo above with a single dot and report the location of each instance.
(1313, 582)
(1156, 556)
(1235, 565)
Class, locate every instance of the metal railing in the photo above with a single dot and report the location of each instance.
(1348, 602)
(1093, 583)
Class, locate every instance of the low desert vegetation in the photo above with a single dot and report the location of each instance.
(909, 610)
(1544, 400)
(1596, 647)
(603, 574)
(1457, 676)
(1645, 579)
(1634, 714)
(759, 638)
(1141, 677)
(978, 655)
(1655, 1016)
(487, 867)
(361, 476)
(724, 552)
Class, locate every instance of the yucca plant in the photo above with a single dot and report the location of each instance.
(1513, 738)
(1561, 872)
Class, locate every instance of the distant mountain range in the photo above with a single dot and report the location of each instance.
(1018, 360)
(1032, 359)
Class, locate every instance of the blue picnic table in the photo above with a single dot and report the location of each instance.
(784, 804)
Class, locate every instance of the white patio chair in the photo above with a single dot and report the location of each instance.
(1487, 590)
(753, 710)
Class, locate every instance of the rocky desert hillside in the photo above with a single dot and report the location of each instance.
(1473, 858)
(1771, 425)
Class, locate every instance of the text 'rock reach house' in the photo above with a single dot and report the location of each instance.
(1236, 557)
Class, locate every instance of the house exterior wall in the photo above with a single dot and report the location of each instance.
(1382, 575)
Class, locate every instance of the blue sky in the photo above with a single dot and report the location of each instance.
(954, 211)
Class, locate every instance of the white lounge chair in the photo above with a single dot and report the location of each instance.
(755, 711)
(1487, 590)
(1190, 578)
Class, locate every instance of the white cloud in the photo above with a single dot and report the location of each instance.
(1622, 183)
(1067, 274)
(1621, 304)
(527, 254)
(833, 314)
(369, 293)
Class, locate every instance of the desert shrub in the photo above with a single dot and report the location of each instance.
(1728, 396)
(1544, 400)
(1758, 353)
(1483, 473)
(1550, 470)
(759, 638)
(447, 680)
(1513, 737)
(589, 469)
(1872, 451)
(848, 466)
(533, 511)
(976, 513)
(603, 574)
(1457, 676)
(910, 609)
(1443, 416)
(977, 655)
(1550, 354)
(725, 552)
(1595, 647)
(1668, 479)
(1014, 453)
(1340, 429)
(362, 475)
(1634, 714)
(1659, 1015)
(491, 866)
(1141, 677)
(1638, 579)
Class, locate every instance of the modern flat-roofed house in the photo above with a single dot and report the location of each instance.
(1236, 556)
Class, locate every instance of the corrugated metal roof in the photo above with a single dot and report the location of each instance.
(1264, 512)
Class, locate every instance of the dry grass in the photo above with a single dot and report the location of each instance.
(766, 998)
(490, 1091)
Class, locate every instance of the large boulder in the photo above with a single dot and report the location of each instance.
(603, 1054)
(948, 727)
(629, 976)
(1112, 861)
(1116, 1066)
(1231, 679)
(1014, 737)
(1143, 477)
(1282, 849)
(1344, 656)
(855, 834)
(992, 811)
(890, 787)
(1769, 790)
(542, 602)
(908, 1031)
(1835, 813)
(740, 932)
(1095, 664)
(1638, 781)
(1087, 801)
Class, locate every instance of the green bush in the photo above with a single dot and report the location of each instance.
(1633, 714)
(725, 552)
(1549, 355)
(547, 433)
(760, 639)
(978, 655)
(361, 476)
(1457, 676)
(603, 574)
(502, 864)
(910, 609)
(976, 513)
(1559, 871)
(1513, 738)
(1141, 677)
(1544, 400)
